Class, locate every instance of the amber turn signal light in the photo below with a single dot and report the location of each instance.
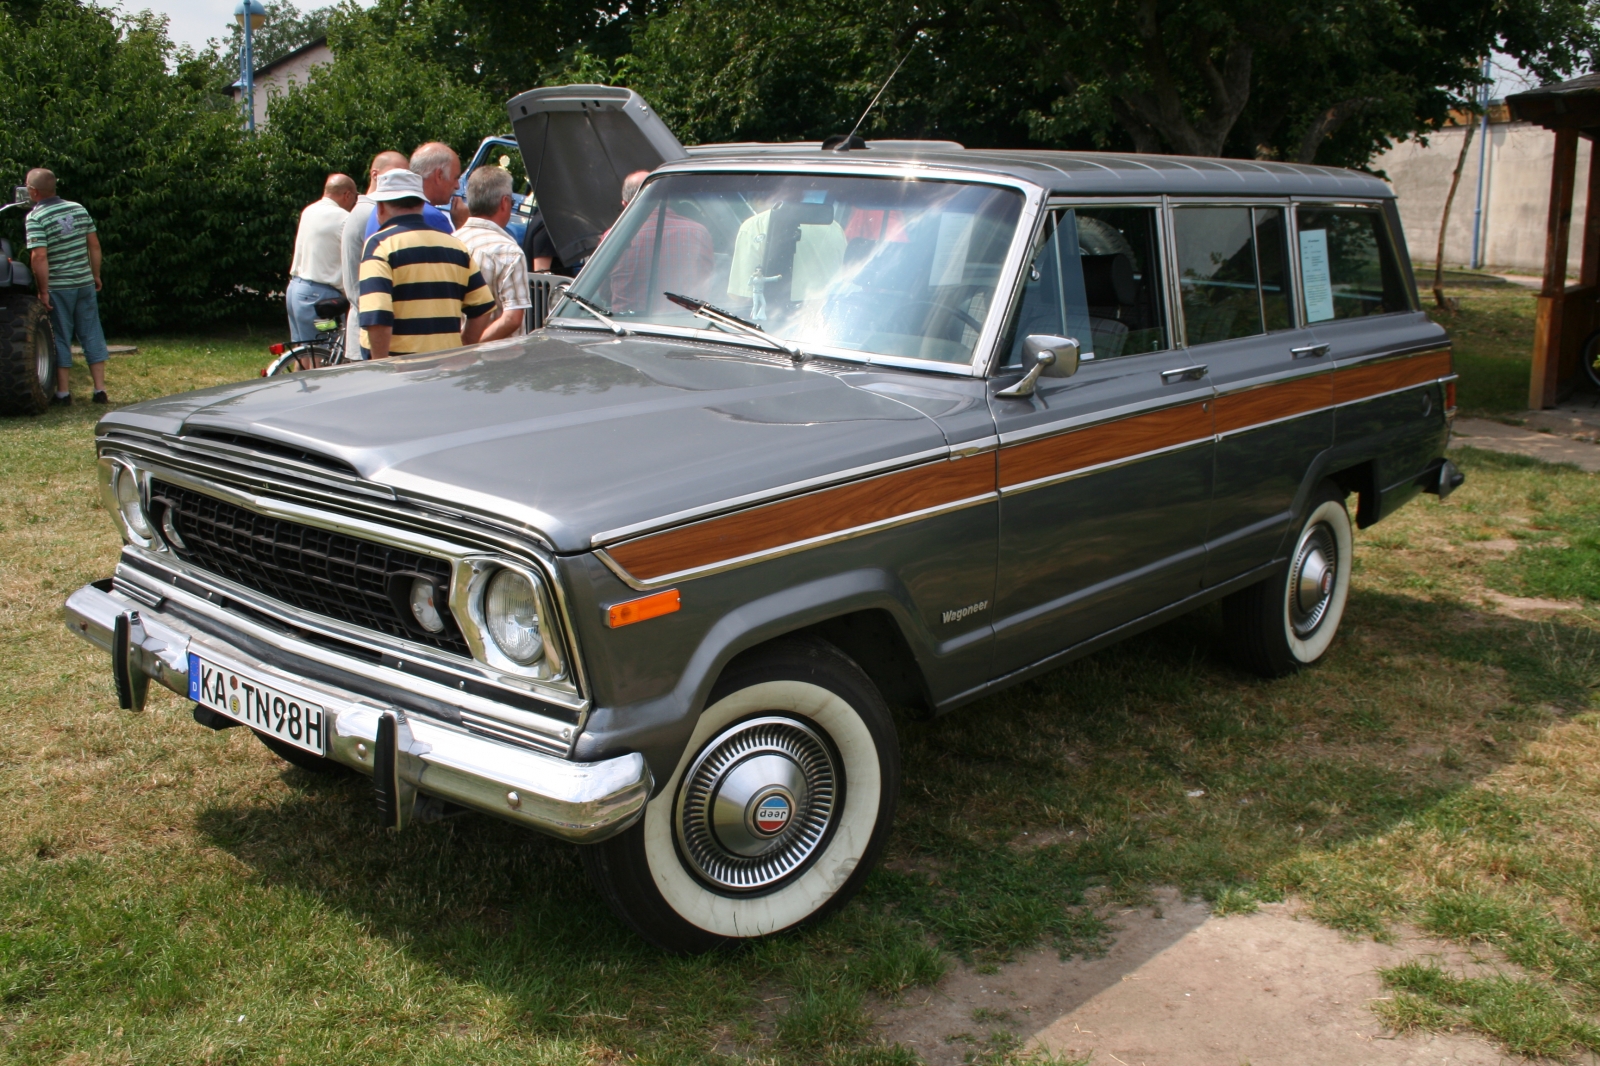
(652, 606)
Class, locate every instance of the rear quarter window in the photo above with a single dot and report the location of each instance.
(1348, 267)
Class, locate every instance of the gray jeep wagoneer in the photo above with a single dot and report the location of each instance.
(813, 432)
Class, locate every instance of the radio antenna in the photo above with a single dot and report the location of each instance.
(851, 135)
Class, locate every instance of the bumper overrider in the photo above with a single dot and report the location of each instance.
(410, 756)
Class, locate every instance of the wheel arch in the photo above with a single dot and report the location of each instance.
(867, 614)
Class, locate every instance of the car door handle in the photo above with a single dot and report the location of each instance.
(1309, 351)
(1188, 373)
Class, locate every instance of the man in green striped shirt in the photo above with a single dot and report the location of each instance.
(65, 255)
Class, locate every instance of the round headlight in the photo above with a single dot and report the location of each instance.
(423, 607)
(511, 609)
(130, 505)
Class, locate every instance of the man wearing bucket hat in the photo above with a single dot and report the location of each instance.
(416, 283)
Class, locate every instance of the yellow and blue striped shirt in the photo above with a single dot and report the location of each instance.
(420, 282)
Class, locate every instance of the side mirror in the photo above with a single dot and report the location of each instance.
(1043, 354)
(19, 194)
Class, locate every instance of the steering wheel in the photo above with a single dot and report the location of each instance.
(955, 312)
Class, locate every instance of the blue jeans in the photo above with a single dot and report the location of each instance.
(75, 315)
(301, 299)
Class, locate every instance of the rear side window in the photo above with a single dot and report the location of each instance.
(1095, 278)
(1232, 271)
(1348, 268)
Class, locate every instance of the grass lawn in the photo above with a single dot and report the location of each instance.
(1493, 334)
(171, 895)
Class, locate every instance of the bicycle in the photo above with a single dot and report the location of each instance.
(326, 350)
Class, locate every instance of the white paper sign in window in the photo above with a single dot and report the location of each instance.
(950, 250)
(1315, 276)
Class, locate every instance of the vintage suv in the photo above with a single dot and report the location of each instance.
(814, 432)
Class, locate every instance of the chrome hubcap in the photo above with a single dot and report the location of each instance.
(1311, 579)
(757, 803)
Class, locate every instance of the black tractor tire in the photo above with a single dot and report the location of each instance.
(27, 355)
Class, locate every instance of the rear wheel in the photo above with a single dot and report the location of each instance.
(774, 816)
(27, 355)
(1286, 622)
(302, 357)
(1590, 359)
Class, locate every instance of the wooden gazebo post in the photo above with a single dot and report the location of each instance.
(1566, 314)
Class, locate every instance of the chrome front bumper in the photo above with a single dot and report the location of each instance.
(580, 802)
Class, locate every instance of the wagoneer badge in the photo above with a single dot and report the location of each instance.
(962, 612)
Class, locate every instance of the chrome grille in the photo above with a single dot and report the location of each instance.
(316, 570)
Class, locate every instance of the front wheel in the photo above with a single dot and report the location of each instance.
(776, 813)
(1286, 622)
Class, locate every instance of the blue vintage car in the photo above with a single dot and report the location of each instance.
(813, 433)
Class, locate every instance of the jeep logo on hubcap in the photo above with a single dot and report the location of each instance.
(771, 813)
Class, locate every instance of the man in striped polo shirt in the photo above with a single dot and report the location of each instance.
(416, 283)
(65, 256)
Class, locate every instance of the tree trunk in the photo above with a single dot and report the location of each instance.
(1444, 220)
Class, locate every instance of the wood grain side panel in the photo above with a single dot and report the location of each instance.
(1104, 443)
(1359, 382)
(815, 514)
(1270, 402)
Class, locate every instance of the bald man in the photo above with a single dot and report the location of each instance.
(354, 238)
(439, 168)
(316, 272)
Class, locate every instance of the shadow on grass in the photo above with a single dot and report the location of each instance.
(1151, 763)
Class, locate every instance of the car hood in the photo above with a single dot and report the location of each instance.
(571, 435)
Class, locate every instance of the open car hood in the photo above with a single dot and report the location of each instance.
(578, 142)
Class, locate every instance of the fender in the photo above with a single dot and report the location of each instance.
(659, 728)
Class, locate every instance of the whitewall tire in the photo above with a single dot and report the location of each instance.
(1287, 622)
(775, 813)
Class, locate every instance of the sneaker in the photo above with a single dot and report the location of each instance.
(61, 401)
(101, 397)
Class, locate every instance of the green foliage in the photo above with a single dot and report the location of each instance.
(157, 161)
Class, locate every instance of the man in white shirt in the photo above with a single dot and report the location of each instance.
(494, 253)
(316, 272)
(354, 239)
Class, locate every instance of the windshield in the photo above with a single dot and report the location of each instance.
(876, 266)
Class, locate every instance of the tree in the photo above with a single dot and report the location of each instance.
(1304, 80)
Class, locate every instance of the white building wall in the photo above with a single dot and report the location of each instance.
(275, 80)
(1516, 196)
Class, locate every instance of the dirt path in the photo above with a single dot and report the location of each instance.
(1181, 988)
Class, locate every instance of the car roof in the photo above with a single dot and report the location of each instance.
(1070, 173)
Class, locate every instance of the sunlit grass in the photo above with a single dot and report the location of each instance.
(169, 894)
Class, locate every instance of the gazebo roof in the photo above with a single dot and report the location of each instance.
(1566, 104)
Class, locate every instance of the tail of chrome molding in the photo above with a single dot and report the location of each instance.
(575, 801)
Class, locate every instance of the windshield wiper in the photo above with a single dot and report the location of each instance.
(733, 324)
(597, 311)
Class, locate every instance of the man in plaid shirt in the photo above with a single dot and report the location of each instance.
(670, 253)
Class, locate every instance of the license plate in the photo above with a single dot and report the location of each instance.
(262, 707)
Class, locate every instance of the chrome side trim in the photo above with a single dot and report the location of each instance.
(1109, 414)
(1296, 373)
(793, 488)
(1252, 427)
(580, 802)
(975, 447)
(790, 548)
(1110, 464)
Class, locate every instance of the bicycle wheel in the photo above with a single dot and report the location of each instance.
(301, 357)
(1590, 358)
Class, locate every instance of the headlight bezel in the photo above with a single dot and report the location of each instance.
(468, 602)
(114, 474)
